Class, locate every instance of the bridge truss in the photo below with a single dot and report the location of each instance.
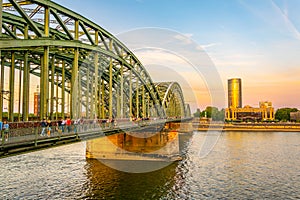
(75, 58)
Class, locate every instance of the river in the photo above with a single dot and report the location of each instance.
(242, 165)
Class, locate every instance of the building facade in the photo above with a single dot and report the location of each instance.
(248, 113)
(235, 111)
(36, 102)
(295, 116)
(235, 93)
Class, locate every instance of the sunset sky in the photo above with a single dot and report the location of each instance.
(257, 41)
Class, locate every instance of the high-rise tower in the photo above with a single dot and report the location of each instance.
(235, 93)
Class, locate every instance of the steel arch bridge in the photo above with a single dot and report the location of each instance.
(80, 66)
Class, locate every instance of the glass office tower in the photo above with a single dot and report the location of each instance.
(235, 93)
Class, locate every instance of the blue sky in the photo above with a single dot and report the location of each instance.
(257, 40)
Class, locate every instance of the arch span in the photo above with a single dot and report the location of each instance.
(83, 70)
(172, 99)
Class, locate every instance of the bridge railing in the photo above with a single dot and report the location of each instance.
(20, 132)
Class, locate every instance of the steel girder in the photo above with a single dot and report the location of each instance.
(69, 51)
(52, 33)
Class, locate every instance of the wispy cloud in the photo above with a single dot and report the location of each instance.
(185, 38)
(283, 13)
(206, 46)
(276, 16)
(240, 60)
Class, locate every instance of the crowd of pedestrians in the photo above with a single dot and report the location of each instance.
(46, 127)
(72, 126)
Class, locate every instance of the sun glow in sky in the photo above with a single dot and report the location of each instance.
(257, 41)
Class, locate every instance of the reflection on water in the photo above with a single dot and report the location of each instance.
(245, 165)
(135, 152)
(105, 182)
(241, 166)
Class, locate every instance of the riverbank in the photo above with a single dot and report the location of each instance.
(261, 127)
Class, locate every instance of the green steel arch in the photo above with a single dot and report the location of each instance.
(81, 67)
(172, 99)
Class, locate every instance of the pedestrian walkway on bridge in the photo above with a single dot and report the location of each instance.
(26, 136)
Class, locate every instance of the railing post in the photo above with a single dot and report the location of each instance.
(77, 137)
(2, 137)
(59, 130)
(36, 130)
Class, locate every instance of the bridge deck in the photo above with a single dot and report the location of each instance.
(29, 139)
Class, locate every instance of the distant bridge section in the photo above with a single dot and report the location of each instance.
(172, 99)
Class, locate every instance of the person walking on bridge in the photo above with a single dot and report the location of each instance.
(68, 123)
(76, 125)
(48, 127)
(43, 125)
(59, 126)
(6, 130)
(1, 129)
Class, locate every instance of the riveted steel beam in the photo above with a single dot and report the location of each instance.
(20, 3)
(25, 16)
(61, 23)
(137, 104)
(52, 88)
(115, 60)
(63, 85)
(74, 86)
(87, 33)
(11, 88)
(110, 102)
(12, 34)
(2, 86)
(69, 44)
(44, 98)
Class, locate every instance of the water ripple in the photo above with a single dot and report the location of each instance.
(241, 166)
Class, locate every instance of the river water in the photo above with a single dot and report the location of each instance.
(241, 166)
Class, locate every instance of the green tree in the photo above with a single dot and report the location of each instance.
(214, 113)
(220, 115)
(283, 114)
